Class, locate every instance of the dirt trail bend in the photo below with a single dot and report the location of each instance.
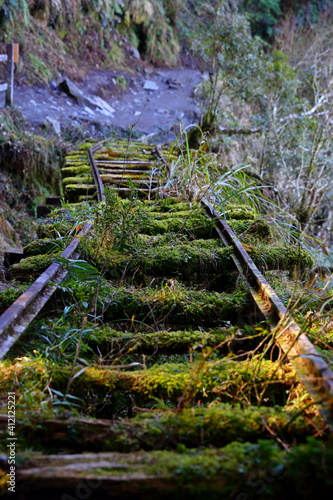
(151, 104)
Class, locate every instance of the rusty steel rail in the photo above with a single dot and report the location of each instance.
(310, 366)
(17, 317)
(95, 172)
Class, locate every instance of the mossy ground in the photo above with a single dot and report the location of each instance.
(220, 424)
(157, 335)
(108, 392)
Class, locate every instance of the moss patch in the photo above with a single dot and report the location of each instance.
(31, 266)
(8, 296)
(193, 223)
(184, 260)
(215, 426)
(284, 258)
(160, 341)
(226, 380)
(43, 246)
(175, 304)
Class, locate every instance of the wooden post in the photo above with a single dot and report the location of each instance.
(10, 75)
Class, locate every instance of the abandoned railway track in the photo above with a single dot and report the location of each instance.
(149, 377)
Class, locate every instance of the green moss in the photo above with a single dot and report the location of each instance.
(283, 258)
(226, 381)
(43, 246)
(156, 35)
(145, 241)
(239, 226)
(86, 198)
(153, 227)
(173, 215)
(74, 171)
(158, 342)
(185, 260)
(76, 154)
(80, 188)
(192, 222)
(79, 192)
(239, 212)
(76, 161)
(215, 426)
(31, 266)
(175, 304)
(87, 145)
(40, 70)
(175, 205)
(8, 296)
(77, 180)
(259, 229)
(33, 377)
(238, 471)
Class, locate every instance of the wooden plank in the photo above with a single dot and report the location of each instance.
(3, 57)
(121, 171)
(125, 163)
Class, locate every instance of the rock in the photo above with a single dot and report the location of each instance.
(135, 53)
(88, 110)
(173, 83)
(145, 137)
(104, 112)
(148, 71)
(71, 89)
(100, 103)
(55, 124)
(150, 85)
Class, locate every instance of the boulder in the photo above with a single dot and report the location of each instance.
(54, 123)
(150, 85)
(73, 90)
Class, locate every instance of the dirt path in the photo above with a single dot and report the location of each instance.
(152, 103)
